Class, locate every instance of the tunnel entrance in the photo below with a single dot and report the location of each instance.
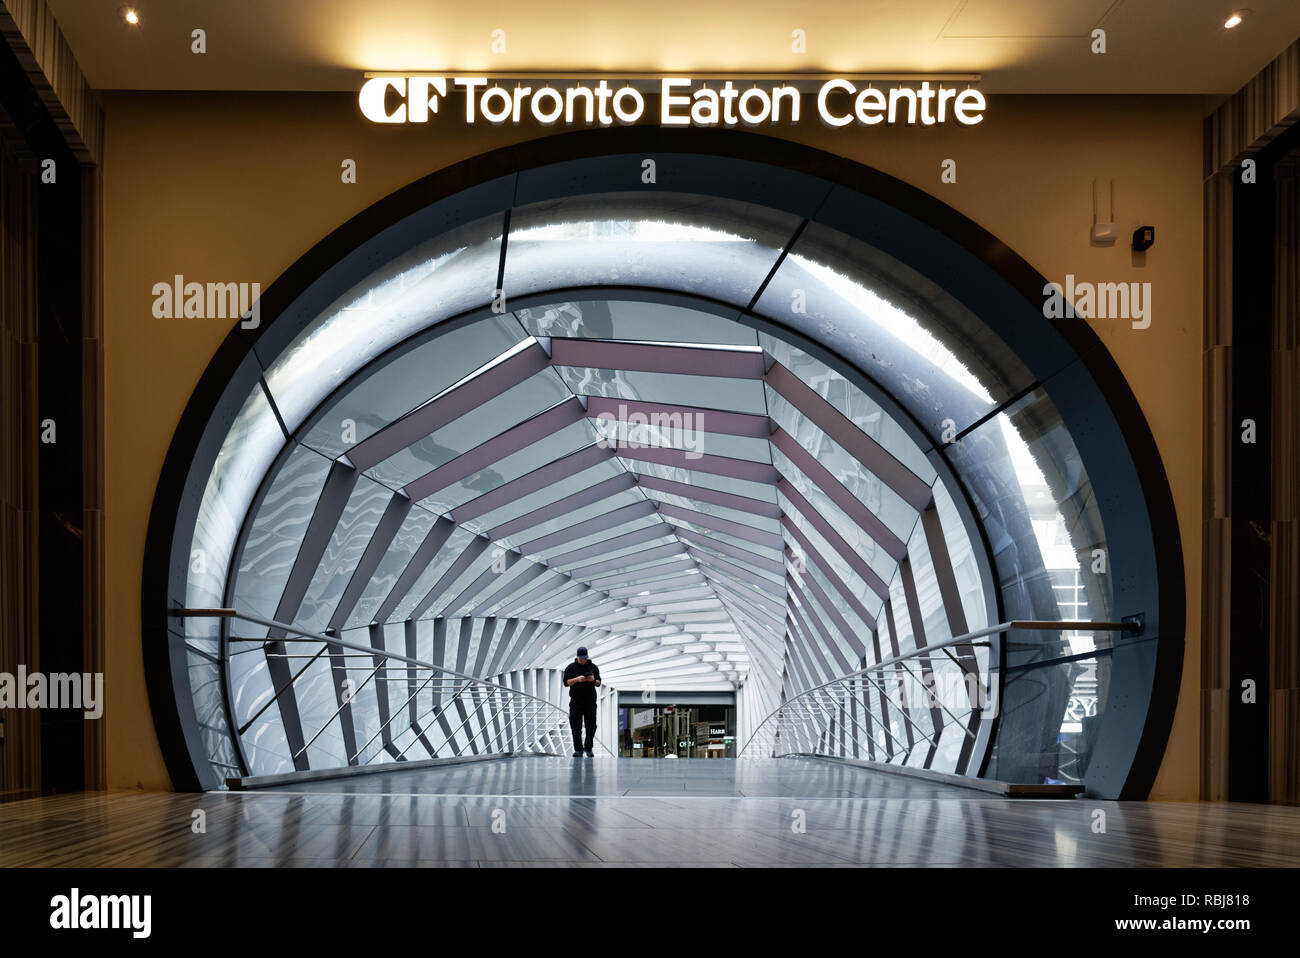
(779, 430)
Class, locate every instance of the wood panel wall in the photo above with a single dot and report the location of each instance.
(1216, 486)
(94, 603)
(20, 754)
(30, 30)
(1256, 114)
(1284, 586)
(1246, 123)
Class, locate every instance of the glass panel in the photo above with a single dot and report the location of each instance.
(515, 594)
(458, 585)
(832, 633)
(832, 589)
(633, 321)
(680, 595)
(364, 704)
(250, 685)
(559, 443)
(612, 550)
(347, 544)
(1035, 500)
(715, 560)
(246, 454)
(535, 500)
(694, 440)
(705, 480)
(414, 528)
(617, 501)
(886, 504)
(276, 535)
(701, 392)
(766, 552)
(631, 557)
(902, 621)
(548, 587)
(529, 398)
(765, 523)
(445, 276)
(962, 556)
(930, 352)
(852, 403)
(317, 702)
(408, 381)
(1049, 722)
(697, 244)
(504, 580)
(205, 678)
(448, 554)
(880, 561)
(933, 618)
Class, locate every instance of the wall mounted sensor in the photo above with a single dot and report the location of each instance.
(1104, 234)
(1143, 238)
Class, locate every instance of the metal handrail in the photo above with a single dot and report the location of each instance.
(535, 708)
(1133, 625)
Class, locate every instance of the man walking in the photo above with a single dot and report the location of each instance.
(583, 678)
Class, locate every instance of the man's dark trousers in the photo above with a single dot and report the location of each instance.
(578, 713)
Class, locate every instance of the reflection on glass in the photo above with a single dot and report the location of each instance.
(852, 403)
(711, 247)
(752, 614)
(1036, 502)
(276, 535)
(931, 353)
(443, 277)
(634, 321)
(409, 380)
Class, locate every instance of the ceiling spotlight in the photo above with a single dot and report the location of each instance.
(131, 16)
(1235, 19)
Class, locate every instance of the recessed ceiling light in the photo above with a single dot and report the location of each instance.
(131, 15)
(1235, 19)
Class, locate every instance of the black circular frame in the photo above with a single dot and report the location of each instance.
(1090, 394)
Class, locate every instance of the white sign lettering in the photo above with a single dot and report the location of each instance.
(682, 102)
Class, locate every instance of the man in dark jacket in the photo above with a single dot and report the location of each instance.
(583, 678)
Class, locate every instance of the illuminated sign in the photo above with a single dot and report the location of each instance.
(682, 102)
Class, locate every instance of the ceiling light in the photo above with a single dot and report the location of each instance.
(1235, 19)
(131, 16)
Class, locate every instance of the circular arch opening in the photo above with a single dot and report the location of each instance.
(754, 425)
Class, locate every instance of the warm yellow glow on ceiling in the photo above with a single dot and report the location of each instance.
(1023, 46)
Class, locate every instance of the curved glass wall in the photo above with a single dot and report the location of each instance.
(646, 456)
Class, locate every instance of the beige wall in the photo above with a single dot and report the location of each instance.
(237, 187)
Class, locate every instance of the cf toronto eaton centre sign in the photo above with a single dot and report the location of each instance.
(682, 102)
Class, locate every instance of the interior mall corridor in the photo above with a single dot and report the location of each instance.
(551, 812)
(584, 435)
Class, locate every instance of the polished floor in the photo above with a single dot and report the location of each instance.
(635, 812)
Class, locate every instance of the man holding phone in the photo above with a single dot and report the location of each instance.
(583, 678)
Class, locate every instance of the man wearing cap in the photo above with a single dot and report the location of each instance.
(583, 678)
